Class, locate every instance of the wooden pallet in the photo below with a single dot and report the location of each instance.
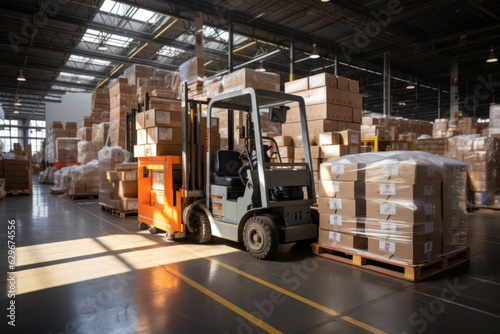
(56, 192)
(82, 196)
(412, 273)
(20, 192)
(486, 207)
(117, 212)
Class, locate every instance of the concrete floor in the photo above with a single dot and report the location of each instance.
(82, 270)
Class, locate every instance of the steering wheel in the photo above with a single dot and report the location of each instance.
(251, 164)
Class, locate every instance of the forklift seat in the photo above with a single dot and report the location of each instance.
(226, 166)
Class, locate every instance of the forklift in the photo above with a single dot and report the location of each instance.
(249, 196)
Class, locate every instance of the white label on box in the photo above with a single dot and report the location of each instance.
(386, 246)
(335, 203)
(336, 220)
(387, 189)
(337, 169)
(428, 209)
(392, 169)
(428, 247)
(455, 221)
(388, 208)
(354, 139)
(388, 227)
(428, 190)
(163, 117)
(429, 227)
(334, 236)
(164, 133)
(335, 187)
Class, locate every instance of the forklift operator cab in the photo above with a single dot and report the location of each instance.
(248, 198)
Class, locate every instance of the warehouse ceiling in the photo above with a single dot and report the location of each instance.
(56, 44)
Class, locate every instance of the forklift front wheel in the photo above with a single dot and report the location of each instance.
(260, 237)
(143, 226)
(152, 230)
(200, 226)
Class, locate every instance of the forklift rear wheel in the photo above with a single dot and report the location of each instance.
(201, 227)
(143, 226)
(260, 238)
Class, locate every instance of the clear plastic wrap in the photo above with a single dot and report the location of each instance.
(408, 206)
(192, 70)
(66, 149)
(109, 157)
(84, 179)
(494, 126)
(61, 180)
(100, 131)
(47, 177)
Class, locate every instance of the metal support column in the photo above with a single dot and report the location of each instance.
(439, 101)
(454, 90)
(292, 58)
(387, 84)
(417, 95)
(230, 113)
(198, 27)
(336, 62)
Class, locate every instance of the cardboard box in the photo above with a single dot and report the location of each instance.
(130, 175)
(321, 95)
(112, 175)
(283, 140)
(411, 253)
(342, 83)
(297, 85)
(164, 135)
(329, 138)
(154, 150)
(159, 117)
(342, 206)
(125, 188)
(357, 115)
(333, 151)
(341, 240)
(142, 136)
(342, 189)
(430, 192)
(350, 137)
(322, 79)
(127, 204)
(353, 86)
(402, 172)
(139, 151)
(140, 120)
(317, 127)
(335, 222)
(324, 111)
(402, 232)
(342, 172)
(192, 70)
(409, 212)
(286, 151)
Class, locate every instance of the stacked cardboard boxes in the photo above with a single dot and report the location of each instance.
(396, 132)
(342, 206)
(412, 210)
(66, 149)
(17, 174)
(125, 189)
(438, 146)
(109, 157)
(3, 193)
(57, 131)
(122, 98)
(494, 125)
(84, 179)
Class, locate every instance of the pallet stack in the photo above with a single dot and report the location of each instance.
(124, 183)
(109, 157)
(399, 207)
(3, 193)
(84, 180)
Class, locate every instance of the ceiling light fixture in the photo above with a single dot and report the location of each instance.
(325, 0)
(16, 111)
(491, 57)
(410, 85)
(260, 68)
(314, 52)
(17, 103)
(102, 46)
(21, 76)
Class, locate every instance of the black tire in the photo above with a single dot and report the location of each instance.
(143, 226)
(260, 237)
(201, 227)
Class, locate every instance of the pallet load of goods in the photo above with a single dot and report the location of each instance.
(406, 209)
(16, 172)
(478, 145)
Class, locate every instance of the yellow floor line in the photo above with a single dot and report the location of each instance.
(268, 328)
(287, 293)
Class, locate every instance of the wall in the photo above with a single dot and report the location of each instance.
(72, 109)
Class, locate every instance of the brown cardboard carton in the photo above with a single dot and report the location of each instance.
(335, 222)
(402, 172)
(341, 240)
(411, 253)
(350, 137)
(400, 231)
(322, 79)
(127, 204)
(321, 95)
(333, 151)
(153, 150)
(286, 151)
(353, 86)
(283, 141)
(342, 172)
(430, 192)
(164, 135)
(409, 212)
(357, 115)
(142, 136)
(342, 206)
(159, 117)
(342, 189)
(139, 151)
(297, 85)
(324, 111)
(319, 126)
(130, 175)
(126, 188)
(139, 120)
(329, 138)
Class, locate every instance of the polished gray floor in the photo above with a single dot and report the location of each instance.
(82, 270)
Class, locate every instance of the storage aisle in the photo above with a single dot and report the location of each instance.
(80, 269)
